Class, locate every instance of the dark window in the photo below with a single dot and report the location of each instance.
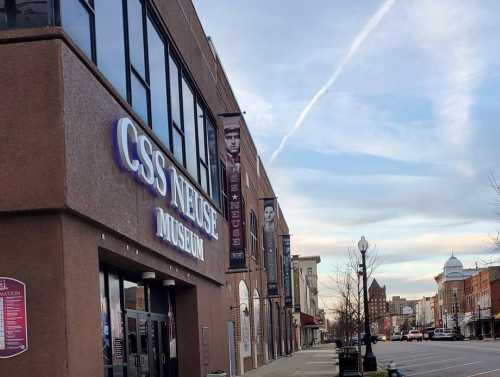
(253, 233)
(202, 139)
(204, 177)
(189, 129)
(224, 192)
(175, 110)
(23, 14)
(158, 80)
(213, 161)
(202, 149)
(137, 58)
(139, 97)
(174, 92)
(75, 17)
(110, 42)
(136, 36)
(178, 144)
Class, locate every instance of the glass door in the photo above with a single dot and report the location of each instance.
(132, 346)
(159, 344)
(138, 344)
(148, 346)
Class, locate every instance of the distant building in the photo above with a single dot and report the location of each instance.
(398, 303)
(377, 306)
(451, 292)
(402, 313)
(306, 318)
(481, 302)
(424, 312)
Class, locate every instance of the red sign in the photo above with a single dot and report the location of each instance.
(13, 329)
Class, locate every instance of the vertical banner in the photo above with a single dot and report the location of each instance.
(270, 247)
(287, 273)
(13, 326)
(236, 215)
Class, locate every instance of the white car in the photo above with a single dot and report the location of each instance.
(397, 336)
(415, 335)
(446, 334)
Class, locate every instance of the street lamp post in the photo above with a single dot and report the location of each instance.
(369, 362)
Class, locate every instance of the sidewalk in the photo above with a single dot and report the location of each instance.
(317, 361)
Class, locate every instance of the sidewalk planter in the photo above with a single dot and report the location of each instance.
(217, 374)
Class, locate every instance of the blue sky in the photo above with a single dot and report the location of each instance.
(399, 148)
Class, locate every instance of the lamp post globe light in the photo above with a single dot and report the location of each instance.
(369, 362)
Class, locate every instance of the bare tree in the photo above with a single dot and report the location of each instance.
(347, 283)
(495, 185)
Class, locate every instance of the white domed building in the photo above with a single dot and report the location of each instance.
(453, 269)
(451, 293)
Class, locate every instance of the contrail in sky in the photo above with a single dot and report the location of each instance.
(358, 41)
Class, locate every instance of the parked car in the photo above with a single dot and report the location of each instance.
(446, 334)
(381, 338)
(396, 337)
(415, 335)
(373, 339)
(428, 333)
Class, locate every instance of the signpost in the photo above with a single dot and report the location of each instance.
(13, 327)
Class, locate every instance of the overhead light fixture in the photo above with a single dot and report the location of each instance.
(169, 283)
(149, 275)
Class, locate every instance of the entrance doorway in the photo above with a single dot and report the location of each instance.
(138, 327)
(148, 347)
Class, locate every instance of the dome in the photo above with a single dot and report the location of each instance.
(453, 262)
(453, 269)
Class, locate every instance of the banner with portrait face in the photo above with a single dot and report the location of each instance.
(237, 237)
(270, 247)
(287, 271)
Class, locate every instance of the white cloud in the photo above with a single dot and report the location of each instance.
(445, 29)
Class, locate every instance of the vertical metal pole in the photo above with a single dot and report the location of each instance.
(370, 362)
(360, 362)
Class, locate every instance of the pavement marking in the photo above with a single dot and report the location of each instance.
(422, 356)
(483, 373)
(441, 369)
(431, 362)
(465, 346)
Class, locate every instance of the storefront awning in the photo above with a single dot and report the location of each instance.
(307, 320)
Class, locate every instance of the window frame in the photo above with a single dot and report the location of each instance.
(150, 14)
(224, 190)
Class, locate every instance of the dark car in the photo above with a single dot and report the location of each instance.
(373, 338)
(428, 333)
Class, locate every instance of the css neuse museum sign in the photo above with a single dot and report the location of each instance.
(138, 155)
(13, 328)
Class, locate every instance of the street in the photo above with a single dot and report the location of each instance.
(441, 359)
(432, 359)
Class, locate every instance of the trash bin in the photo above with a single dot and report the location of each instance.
(348, 362)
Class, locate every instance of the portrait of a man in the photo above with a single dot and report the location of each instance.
(232, 143)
